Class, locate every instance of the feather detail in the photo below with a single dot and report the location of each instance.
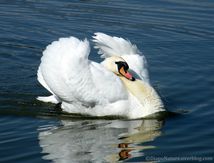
(66, 72)
(113, 46)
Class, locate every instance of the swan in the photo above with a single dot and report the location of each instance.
(118, 86)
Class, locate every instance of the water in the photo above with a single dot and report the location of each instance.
(177, 38)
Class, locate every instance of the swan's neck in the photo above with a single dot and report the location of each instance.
(145, 94)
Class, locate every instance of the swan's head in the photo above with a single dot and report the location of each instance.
(118, 66)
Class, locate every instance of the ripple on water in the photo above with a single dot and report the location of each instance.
(176, 36)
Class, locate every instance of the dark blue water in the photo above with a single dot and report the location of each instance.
(177, 38)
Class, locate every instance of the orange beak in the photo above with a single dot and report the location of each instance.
(126, 74)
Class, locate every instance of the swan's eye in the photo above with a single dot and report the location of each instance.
(126, 66)
(123, 70)
(121, 64)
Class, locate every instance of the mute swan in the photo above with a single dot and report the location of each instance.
(118, 86)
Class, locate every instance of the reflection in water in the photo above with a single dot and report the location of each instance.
(96, 141)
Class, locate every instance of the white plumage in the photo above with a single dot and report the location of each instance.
(87, 87)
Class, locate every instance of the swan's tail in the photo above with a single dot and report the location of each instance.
(51, 99)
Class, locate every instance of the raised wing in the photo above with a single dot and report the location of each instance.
(113, 46)
(68, 74)
(116, 46)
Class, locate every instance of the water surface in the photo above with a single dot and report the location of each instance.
(177, 38)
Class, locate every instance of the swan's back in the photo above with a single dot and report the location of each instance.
(66, 72)
(58, 61)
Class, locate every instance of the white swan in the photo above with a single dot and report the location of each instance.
(108, 88)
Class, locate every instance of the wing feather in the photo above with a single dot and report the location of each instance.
(68, 74)
(109, 46)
